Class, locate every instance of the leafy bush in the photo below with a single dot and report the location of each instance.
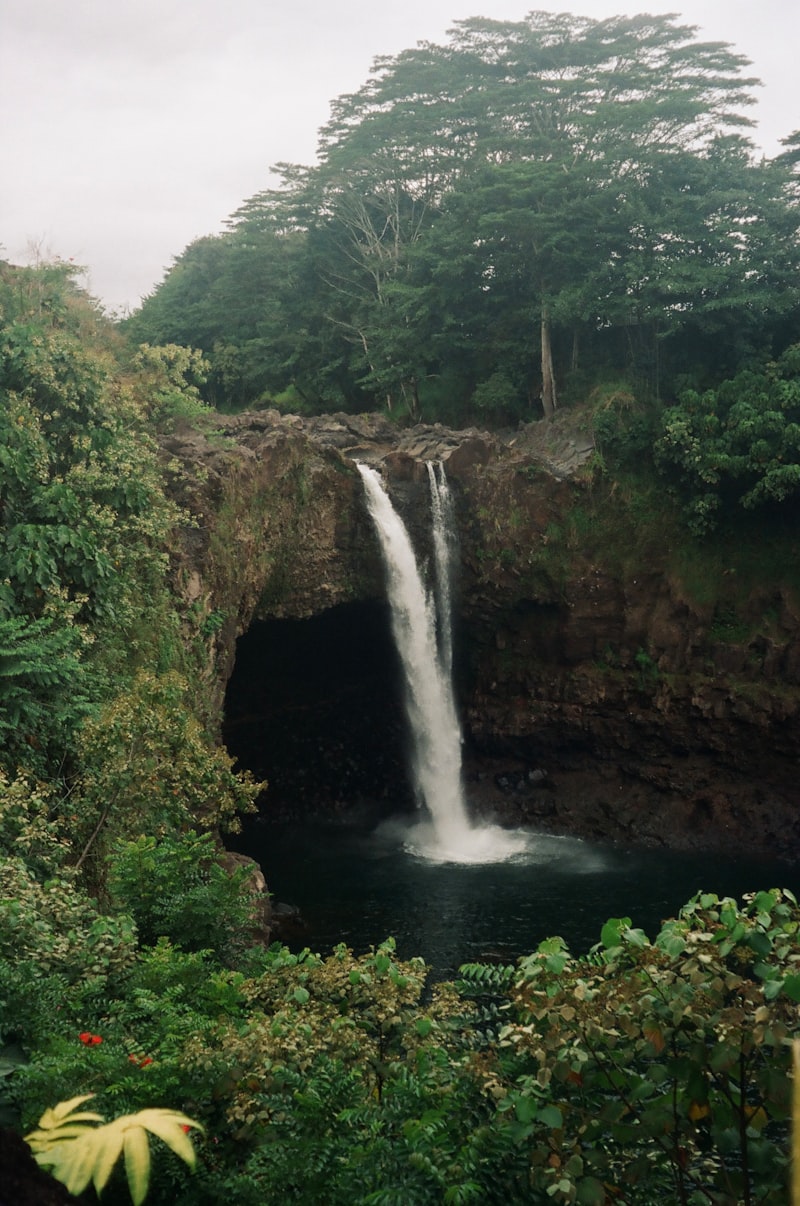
(32, 825)
(173, 375)
(737, 445)
(659, 1068)
(147, 764)
(85, 518)
(646, 1071)
(44, 693)
(175, 888)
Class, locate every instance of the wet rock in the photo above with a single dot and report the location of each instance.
(261, 925)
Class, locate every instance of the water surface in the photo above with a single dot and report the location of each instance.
(359, 884)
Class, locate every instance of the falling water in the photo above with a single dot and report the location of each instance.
(424, 643)
(443, 552)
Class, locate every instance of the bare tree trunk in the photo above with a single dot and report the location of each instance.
(549, 400)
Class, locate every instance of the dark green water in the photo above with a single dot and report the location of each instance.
(357, 885)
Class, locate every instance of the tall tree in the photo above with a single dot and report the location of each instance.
(481, 210)
(580, 107)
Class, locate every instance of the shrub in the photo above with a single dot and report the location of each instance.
(175, 888)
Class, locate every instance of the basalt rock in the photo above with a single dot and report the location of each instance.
(23, 1182)
(603, 673)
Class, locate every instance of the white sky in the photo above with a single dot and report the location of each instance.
(128, 128)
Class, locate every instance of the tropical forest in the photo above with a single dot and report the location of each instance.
(449, 498)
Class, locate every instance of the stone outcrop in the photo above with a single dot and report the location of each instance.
(645, 715)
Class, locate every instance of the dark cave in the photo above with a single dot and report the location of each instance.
(314, 706)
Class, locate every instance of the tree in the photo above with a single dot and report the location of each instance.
(482, 210)
(708, 268)
(555, 121)
(738, 444)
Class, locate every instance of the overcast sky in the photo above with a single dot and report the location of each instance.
(128, 128)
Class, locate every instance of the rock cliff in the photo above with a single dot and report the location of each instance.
(601, 693)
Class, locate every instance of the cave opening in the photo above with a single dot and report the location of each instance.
(314, 706)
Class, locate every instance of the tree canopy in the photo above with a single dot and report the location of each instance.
(494, 216)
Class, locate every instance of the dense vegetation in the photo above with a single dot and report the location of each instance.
(497, 220)
(555, 207)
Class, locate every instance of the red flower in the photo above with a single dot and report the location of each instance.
(88, 1039)
(141, 1061)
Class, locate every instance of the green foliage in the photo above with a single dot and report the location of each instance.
(213, 622)
(43, 688)
(735, 445)
(77, 1153)
(659, 1067)
(84, 515)
(58, 953)
(552, 188)
(498, 398)
(57, 927)
(624, 429)
(645, 1070)
(173, 376)
(99, 739)
(32, 825)
(148, 764)
(174, 887)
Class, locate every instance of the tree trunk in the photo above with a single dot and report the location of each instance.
(548, 380)
(411, 398)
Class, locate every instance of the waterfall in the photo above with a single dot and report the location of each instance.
(443, 552)
(422, 630)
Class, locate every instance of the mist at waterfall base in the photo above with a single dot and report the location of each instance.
(442, 887)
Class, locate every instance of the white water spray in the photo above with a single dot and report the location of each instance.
(425, 649)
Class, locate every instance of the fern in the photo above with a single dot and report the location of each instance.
(43, 691)
(486, 977)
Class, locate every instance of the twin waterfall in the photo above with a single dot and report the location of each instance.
(422, 628)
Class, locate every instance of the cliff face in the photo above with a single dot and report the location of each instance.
(598, 695)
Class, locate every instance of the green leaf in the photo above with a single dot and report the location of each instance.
(612, 931)
(526, 1108)
(551, 1116)
(791, 986)
(772, 989)
(590, 1192)
(760, 942)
